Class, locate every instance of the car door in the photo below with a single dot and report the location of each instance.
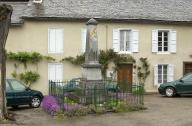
(21, 95)
(9, 94)
(185, 84)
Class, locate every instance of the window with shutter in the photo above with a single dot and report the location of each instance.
(55, 40)
(55, 71)
(125, 40)
(164, 41)
(163, 73)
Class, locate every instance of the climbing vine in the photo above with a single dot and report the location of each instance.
(105, 57)
(143, 70)
(25, 58)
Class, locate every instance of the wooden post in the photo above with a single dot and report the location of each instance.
(5, 20)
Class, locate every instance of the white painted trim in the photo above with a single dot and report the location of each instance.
(163, 53)
(125, 52)
(48, 51)
(54, 63)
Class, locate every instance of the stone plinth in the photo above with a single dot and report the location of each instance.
(91, 71)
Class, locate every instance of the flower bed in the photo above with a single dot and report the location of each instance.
(50, 105)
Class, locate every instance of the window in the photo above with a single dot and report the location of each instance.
(162, 74)
(188, 77)
(125, 40)
(55, 40)
(8, 88)
(16, 85)
(164, 41)
(163, 37)
(187, 68)
(55, 71)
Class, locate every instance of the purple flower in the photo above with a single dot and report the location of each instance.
(66, 94)
(50, 105)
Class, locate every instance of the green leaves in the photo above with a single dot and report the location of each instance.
(105, 57)
(143, 70)
(29, 77)
(28, 57)
(78, 60)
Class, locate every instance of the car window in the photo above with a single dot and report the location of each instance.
(8, 88)
(187, 78)
(17, 86)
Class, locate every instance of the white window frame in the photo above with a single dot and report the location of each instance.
(55, 52)
(55, 70)
(134, 40)
(170, 73)
(168, 50)
(130, 32)
(162, 75)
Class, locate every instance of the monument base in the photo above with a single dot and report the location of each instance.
(92, 71)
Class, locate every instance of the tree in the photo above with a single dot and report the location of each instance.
(5, 20)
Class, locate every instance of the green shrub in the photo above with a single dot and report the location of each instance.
(29, 77)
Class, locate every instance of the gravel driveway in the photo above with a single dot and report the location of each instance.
(161, 111)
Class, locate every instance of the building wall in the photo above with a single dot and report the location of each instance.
(33, 36)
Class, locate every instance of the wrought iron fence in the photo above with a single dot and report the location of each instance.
(104, 93)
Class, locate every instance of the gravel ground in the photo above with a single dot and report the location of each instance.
(162, 111)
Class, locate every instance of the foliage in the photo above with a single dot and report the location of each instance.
(78, 60)
(111, 104)
(14, 74)
(77, 111)
(72, 108)
(29, 77)
(138, 91)
(25, 57)
(105, 57)
(49, 58)
(143, 70)
(50, 105)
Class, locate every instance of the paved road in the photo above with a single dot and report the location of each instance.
(161, 111)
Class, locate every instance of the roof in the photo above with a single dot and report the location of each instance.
(18, 11)
(124, 10)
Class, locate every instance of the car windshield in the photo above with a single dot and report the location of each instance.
(187, 77)
(17, 85)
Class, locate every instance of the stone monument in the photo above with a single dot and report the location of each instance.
(91, 67)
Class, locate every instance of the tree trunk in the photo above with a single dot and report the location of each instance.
(5, 20)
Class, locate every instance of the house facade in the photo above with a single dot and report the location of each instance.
(157, 30)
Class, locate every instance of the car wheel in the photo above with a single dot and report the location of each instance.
(170, 92)
(35, 102)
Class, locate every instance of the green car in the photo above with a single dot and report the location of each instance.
(18, 94)
(181, 86)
